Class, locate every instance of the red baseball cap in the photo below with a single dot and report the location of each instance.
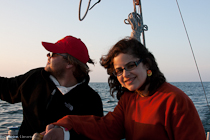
(71, 45)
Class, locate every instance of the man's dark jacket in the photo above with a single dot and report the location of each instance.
(40, 108)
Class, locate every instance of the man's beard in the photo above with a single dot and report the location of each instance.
(57, 73)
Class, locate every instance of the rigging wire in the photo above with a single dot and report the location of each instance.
(192, 53)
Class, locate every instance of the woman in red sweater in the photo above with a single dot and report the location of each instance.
(149, 108)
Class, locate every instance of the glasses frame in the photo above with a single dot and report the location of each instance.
(50, 54)
(135, 62)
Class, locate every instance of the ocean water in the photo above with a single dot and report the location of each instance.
(11, 114)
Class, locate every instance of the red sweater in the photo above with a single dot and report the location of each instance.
(168, 114)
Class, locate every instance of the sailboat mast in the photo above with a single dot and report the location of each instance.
(143, 35)
(138, 2)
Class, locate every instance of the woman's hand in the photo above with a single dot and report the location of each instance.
(53, 133)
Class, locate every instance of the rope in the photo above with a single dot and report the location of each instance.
(86, 9)
(193, 54)
(136, 22)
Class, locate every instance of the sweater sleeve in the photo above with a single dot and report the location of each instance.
(9, 87)
(109, 127)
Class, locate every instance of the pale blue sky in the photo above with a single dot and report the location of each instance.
(24, 24)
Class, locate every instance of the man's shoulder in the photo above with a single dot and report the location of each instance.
(36, 72)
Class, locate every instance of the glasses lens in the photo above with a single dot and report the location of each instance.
(118, 72)
(51, 54)
(130, 66)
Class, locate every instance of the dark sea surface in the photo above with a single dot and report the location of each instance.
(11, 114)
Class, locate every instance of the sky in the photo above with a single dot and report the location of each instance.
(25, 24)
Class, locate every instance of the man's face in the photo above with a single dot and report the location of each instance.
(56, 64)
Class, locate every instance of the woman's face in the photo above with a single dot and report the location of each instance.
(133, 79)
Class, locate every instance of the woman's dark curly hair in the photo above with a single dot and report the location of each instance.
(132, 47)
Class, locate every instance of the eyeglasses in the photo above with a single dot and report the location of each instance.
(128, 67)
(51, 54)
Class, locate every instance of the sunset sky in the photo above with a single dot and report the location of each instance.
(24, 24)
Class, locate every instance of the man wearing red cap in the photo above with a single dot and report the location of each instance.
(61, 88)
